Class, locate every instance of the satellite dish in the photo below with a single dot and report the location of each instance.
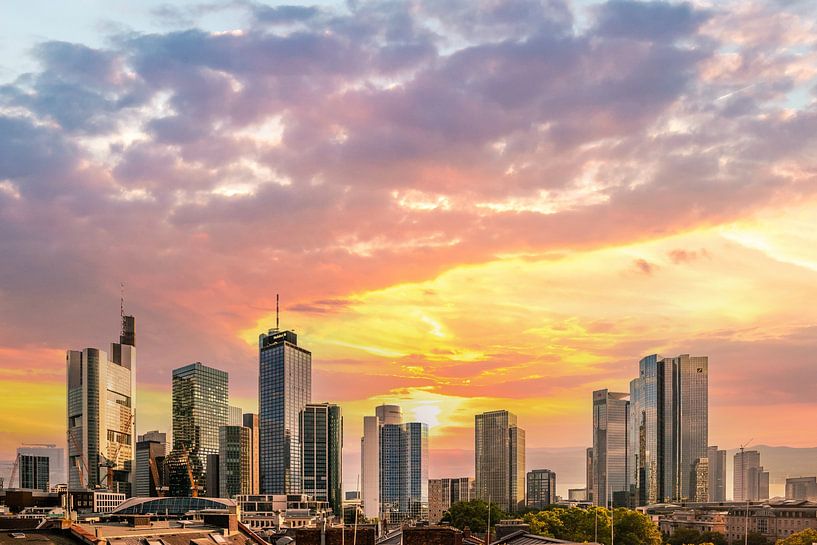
(286, 540)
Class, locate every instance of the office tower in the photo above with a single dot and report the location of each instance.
(234, 417)
(541, 489)
(56, 460)
(34, 472)
(101, 409)
(284, 389)
(751, 483)
(499, 446)
(199, 410)
(212, 481)
(588, 467)
(801, 488)
(701, 492)
(443, 493)
(156, 436)
(321, 431)
(610, 420)
(668, 428)
(717, 474)
(150, 455)
(180, 466)
(403, 472)
(370, 456)
(235, 461)
(251, 421)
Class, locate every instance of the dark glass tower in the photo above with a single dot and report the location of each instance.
(284, 389)
(404, 472)
(34, 472)
(609, 477)
(499, 449)
(321, 447)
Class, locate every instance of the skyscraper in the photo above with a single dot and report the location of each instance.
(588, 468)
(403, 472)
(801, 488)
(234, 461)
(251, 421)
(541, 488)
(751, 483)
(668, 428)
(150, 455)
(717, 474)
(199, 410)
(101, 409)
(34, 472)
(499, 449)
(284, 389)
(443, 493)
(370, 456)
(321, 453)
(234, 416)
(610, 420)
(56, 461)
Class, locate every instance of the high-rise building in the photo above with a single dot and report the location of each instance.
(150, 455)
(156, 436)
(750, 482)
(321, 431)
(235, 461)
(370, 456)
(499, 448)
(801, 488)
(212, 481)
(443, 493)
(34, 472)
(234, 416)
(284, 389)
(56, 461)
(403, 472)
(717, 474)
(701, 492)
(588, 467)
(251, 421)
(199, 410)
(610, 420)
(668, 428)
(101, 410)
(541, 490)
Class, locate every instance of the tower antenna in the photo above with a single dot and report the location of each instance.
(277, 312)
(122, 305)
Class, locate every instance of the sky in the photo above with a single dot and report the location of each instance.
(464, 205)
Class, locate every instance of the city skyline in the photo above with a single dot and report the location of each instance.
(465, 209)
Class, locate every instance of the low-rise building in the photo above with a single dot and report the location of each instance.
(774, 520)
(702, 520)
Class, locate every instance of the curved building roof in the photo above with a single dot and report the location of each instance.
(175, 506)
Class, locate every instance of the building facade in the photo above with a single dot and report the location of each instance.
(717, 474)
(199, 410)
(234, 461)
(588, 466)
(773, 520)
(57, 473)
(801, 488)
(668, 429)
(34, 472)
(751, 482)
(101, 414)
(150, 456)
(403, 472)
(499, 447)
(321, 431)
(284, 389)
(370, 456)
(541, 488)
(443, 493)
(610, 421)
(250, 420)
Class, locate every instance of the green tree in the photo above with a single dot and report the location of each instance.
(473, 514)
(803, 537)
(753, 538)
(635, 528)
(715, 538)
(580, 525)
(685, 536)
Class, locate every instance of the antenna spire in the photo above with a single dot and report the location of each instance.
(122, 304)
(277, 312)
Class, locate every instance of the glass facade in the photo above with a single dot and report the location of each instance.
(234, 461)
(610, 420)
(717, 474)
(34, 471)
(404, 472)
(499, 449)
(284, 389)
(541, 488)
(321, 453)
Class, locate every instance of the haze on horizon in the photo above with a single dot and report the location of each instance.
(466, 205)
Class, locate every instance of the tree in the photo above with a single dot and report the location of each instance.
(684, 536)
(473, 514)
(583, 525)
(803, 537)
(715, 538)
(753, 538)
(635, 528)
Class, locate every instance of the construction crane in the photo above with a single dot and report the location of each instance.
(80, 460)
(154, 471)
(194, 488)
(111, 463)
(14, 469)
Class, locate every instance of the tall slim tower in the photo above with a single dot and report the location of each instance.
(610, 415)
(403, 472)
(101, 409)
(321, 453)
(499, 448)
(370, 456)
(284, 389)
(751, 482)
(250, 420)
(717, 474)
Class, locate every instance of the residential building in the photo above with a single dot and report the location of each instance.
(150, 457)
(101, 412)
(499, 450)
(284, 389)
(57, 473)
(774, 520)
(443, 493)
(801, 488)
(234, 461)
(321, 432)
(370, 456)
(541, 488)
(668, 429)
(751, 483)
(609, 468)
(251, 421)
(34, 472)
(717, 474)
(403, 472)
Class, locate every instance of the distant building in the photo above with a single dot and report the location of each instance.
(212, 480)
(370, 456)
(34, 472)
(717, 474)
(251, 421)
(588, 463)
(57, 473)
(403, 472)
(610, 418)
(154, 435)
(577, 494)
(234, 461)
(751, 483)
(234, 416)
(541, 488)
(801, 488)
(101, 410)
(443, 493)
(150, 457)
(284, 389)
(776, 519)
(321, 431)
(499, 452)
(179, 466)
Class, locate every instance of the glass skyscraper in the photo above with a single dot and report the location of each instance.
(499, 449)
(284, 389)
(404, 472)
(717, 474)
(234, 461)
(541, 488)
(668, 428)
(321, 432)
(199, 410)
(609, 473)
(34, 472)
